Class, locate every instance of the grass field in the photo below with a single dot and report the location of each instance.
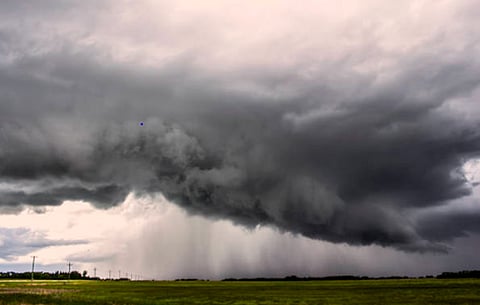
(424, 291)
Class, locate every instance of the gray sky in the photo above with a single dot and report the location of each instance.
(276, 136)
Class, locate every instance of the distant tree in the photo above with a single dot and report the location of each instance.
(84, 273)
(75, 275)
(460, 274)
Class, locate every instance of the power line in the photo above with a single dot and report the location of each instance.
(69, 268)
(33, 265)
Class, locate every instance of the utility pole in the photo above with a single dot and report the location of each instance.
(33, 265)
(95, 272)
(109, 274)
(119, 276)
(69, 267)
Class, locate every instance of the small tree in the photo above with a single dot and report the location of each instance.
(84, 273)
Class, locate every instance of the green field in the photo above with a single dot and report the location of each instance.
(411, 291)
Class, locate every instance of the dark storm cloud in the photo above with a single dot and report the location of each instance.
(445, 224)
(102, 195)
(326, 156)
(21, 241)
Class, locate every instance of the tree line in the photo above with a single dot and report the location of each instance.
(445, 275)
(58, 275)
(75, 275)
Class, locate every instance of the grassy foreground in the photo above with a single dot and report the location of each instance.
(424, 291)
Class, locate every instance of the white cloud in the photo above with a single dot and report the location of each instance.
(105, 230)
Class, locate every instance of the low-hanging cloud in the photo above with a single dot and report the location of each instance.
(338, 150)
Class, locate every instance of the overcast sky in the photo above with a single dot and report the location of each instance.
(276, 138)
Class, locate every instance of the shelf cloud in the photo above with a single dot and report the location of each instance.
(340, 128)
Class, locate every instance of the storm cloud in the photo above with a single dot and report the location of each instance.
(332, 135)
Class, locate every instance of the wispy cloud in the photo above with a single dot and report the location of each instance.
(22, 241)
